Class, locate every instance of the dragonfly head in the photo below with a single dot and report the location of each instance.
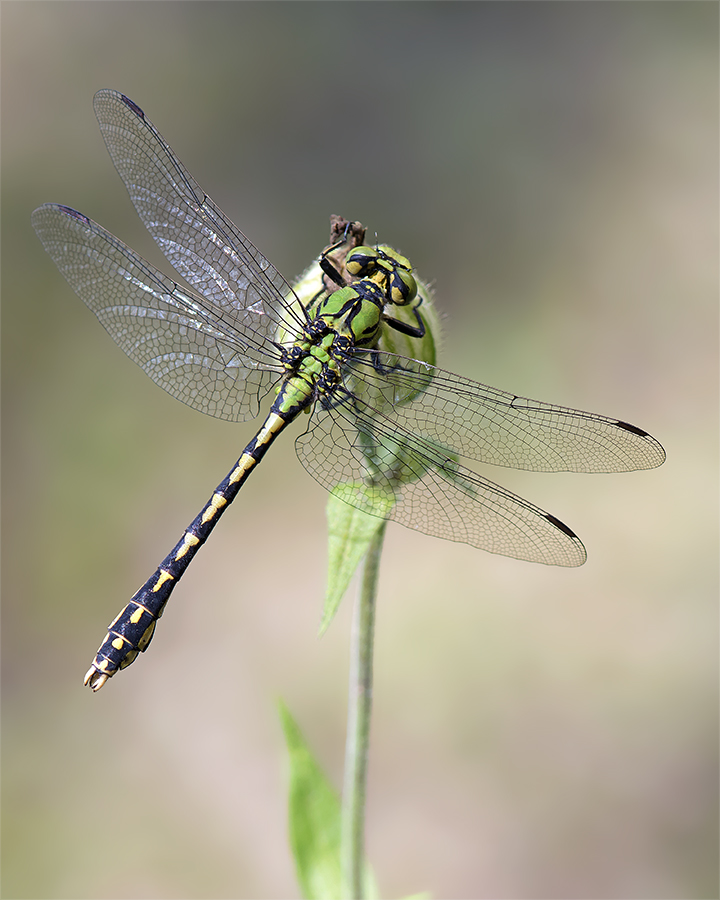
(387, 268)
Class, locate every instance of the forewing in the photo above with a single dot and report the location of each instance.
(435, 494)
(494, 426)
(216, 365)
(198, 239)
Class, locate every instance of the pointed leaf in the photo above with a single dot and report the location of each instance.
(314, 822)
(313, 819)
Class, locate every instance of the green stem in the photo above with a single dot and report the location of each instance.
(358, 726)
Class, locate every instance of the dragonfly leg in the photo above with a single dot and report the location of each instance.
(329, 269)
(415, 331)
(351, 233)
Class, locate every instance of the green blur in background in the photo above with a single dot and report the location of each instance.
(552, 168)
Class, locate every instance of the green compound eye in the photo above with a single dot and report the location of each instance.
(403, 287)
(362, 261)
(393, 257)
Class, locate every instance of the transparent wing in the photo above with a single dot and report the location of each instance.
(349, 445)
(195, 235)
(495, 426)
(213, 360)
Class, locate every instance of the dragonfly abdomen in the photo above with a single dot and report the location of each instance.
(132, 630)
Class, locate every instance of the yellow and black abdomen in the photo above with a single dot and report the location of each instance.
(132, 630)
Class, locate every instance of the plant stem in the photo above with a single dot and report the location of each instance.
(358, 725)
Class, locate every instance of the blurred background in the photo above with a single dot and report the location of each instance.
(538, 733)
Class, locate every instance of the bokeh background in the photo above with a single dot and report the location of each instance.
(538, 733)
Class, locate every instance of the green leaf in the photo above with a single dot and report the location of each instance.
(314, 822)
(313, 819)
(350, 531)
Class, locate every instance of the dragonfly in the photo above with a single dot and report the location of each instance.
(379, 425)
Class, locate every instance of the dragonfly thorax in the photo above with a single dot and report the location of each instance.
(353, 312)
(356, 310)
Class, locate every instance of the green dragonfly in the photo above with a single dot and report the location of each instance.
(384, 430)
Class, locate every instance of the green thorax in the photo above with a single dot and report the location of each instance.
(384, 279)
(312, 291)
(351, 316)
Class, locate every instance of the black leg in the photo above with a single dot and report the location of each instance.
(416, 331)
(325, 264)
(329, 269)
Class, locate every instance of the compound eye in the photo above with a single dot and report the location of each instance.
(362, 261)
(403, 287)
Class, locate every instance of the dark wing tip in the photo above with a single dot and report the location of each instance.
(579, 554)
(133, 106)
(69, 211)
(632, 429)
(659, 451)
(562, 526)
(107, 93)
(37, 214)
